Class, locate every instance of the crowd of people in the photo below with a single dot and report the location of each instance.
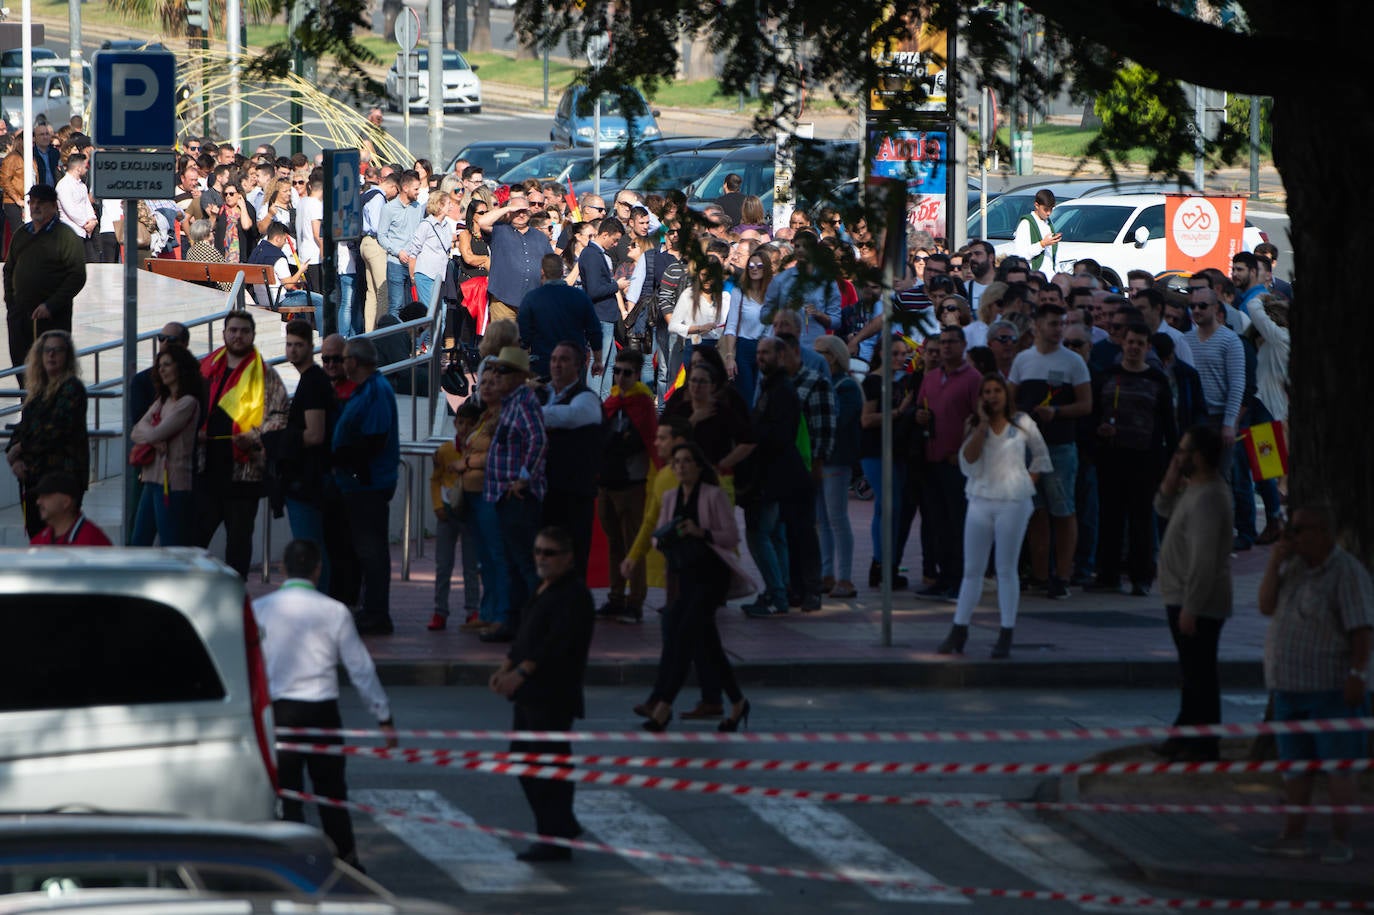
(651, 368)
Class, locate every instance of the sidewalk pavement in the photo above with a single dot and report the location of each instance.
(1087, 641)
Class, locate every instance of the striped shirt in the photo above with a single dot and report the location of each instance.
(1307, 647)
(1220, 362)
(519, 446)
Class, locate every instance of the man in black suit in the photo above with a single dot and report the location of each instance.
(554, 312)
(594, 266)
(542, 675)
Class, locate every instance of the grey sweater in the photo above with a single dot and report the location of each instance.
(1195, 557)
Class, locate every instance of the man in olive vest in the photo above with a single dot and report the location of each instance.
(1035, 236)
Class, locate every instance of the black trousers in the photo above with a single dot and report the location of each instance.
(1126, 483)
(235, 505)
(576, 514)
(368, 522)
(943, 507)
(803, 543)
(1200, 692)
(345, 572)
(690, 634)
(550, 801)
(326, 772)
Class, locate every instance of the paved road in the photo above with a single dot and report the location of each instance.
(950, 846)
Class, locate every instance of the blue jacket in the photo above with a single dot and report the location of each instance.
(598, 283)
(552, 313)
(367, 439)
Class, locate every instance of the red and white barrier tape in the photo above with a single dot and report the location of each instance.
(1143, 732)
(764, 870)
(656, 783)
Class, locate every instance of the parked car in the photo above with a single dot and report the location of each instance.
(62, 852)
(462, 88)
(140, 687)
(564, 165)
(14, 57)
(1006, 209)
(51, 96)
(680, 161)
(195, 902)
(132, 44)
(754, 165)
(1121, 232)
(495, 157)
(573, 124)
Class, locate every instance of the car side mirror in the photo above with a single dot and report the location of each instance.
(654, 112)
(475, 67)
(1142, 235)
(56, 92)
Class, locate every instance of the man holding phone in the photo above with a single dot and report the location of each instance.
(1035, 236)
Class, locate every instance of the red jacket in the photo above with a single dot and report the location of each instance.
(82, 533)
(638, 404)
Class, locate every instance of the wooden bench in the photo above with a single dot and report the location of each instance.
(213, 274)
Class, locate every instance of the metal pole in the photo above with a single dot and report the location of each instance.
(405, 94)
(436, 82)
(27, 54)
(596, 147)
(233, 22)
(1254, 146)
(130, 356)
(886, 505)
(1199, 114)
(77, 77)
(546, 77)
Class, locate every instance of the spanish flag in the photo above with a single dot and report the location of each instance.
(1266, 445)
(678, 382)
(245, 392)
(570, 199)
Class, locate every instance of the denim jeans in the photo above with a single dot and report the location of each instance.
(747, 369)
(168, 519)
(519, 521)
(832, 513)
(767, 539)
(307, 523)
(396, 278)
(602, 386)
(350, 319)
(298, 297)
(873, 473)
(482, 528)
(424, 288)
(449, 533)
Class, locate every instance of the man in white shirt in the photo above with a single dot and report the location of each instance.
(305, 636)
(74, 204)
(572, 419)
(1035, 237)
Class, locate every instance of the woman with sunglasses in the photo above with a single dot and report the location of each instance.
(474, 260)
(236, 226)
(432, 244)
(954, 312)
(278, 206)
(739, 344)
(697, 533)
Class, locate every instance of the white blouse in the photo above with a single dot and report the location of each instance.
(695, 308)
(1001, 472)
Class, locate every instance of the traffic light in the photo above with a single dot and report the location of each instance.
(198, 14)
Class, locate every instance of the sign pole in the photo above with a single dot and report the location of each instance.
(131, 474)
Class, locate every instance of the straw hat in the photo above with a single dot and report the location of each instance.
(513, 357)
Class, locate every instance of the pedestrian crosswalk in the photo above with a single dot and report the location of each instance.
(935, 846)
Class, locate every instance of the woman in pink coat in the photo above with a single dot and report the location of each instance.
(698, 535)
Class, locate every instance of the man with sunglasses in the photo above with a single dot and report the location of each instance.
(1219, 358)
(345, 581)
(517, 251)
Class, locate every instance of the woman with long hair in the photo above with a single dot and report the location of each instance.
(720, 419)
(699, 314)
(582, 235)
(236, 226)
(751, 214)
(474, 263)
(51, 435)
(425, 169)
(278, 206)
(169, 426)
(740, 341)
(698, 535)
(1002, 456)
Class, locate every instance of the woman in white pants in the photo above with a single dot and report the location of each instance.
(1002, 457)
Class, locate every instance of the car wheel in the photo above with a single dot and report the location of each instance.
(475, 109)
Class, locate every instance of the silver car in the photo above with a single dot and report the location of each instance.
(133, 682)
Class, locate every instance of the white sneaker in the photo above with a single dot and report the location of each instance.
(1284, 847)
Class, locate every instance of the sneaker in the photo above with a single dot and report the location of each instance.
(437, 623)
(811, 603)
(843, 590)
(1082, 579)
(1284, 847)
(1338, 853)
(861, 491)
(1241, 545)
(764, 611)
(1030, 583)
(936, 591)
(631, 615)
(475, 624)
(1140, 589)
(1057, 589)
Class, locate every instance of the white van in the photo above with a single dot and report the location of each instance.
(131, 680)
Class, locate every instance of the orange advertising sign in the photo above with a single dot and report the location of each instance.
(918, 56)
(1202, 232)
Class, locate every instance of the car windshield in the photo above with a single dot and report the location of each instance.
(1093, 224)
(12, 87)
(757, 174)
(452, 60)
(496, 160)
(544, 166)
(1003, 213)
(670, 172)
(610, 107)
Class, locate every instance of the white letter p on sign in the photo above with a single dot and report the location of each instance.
(126, 78)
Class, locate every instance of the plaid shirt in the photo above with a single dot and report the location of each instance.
(1307, 647)
(518, 447)
(818, 409)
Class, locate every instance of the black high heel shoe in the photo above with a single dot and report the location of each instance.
(654, 726)
(733, 724)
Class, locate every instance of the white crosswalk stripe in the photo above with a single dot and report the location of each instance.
(1033, 849)
(478, 863)
(839, 844)
(618, 819)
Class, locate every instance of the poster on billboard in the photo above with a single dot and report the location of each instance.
(919, 159)
(1202, 232)
(917, 59)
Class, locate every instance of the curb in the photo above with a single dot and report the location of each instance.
(1105, 674)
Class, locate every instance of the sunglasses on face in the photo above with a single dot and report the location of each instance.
(1075, 344)
(330, 360)
(949, 308)
(298, 181)
(1003, 338)
(166, 338)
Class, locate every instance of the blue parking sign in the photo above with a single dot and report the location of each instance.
(135, 98)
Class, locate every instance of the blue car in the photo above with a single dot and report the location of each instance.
(572, 121)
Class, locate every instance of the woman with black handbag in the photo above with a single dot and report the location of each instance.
(698, 535)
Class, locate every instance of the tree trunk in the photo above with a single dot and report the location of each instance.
(1330, 373)
(481, 27)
